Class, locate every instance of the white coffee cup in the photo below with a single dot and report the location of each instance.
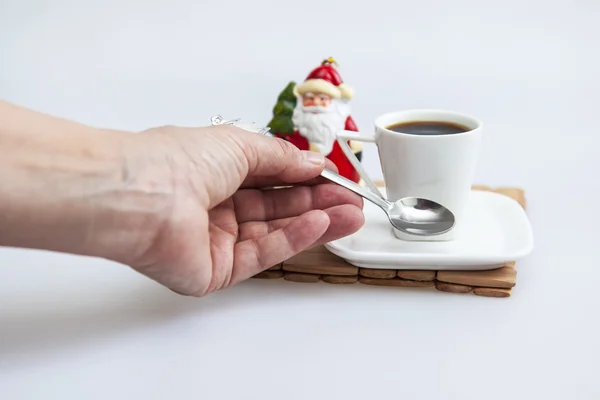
(433, 167)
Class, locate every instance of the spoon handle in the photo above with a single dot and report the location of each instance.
(362, 191)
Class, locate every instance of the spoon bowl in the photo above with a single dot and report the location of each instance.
(411, 215)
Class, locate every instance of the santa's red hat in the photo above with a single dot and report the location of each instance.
(325, 79)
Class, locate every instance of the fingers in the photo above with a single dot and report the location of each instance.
(266, 205)
(255, 181)
(344, 220)
(269, 156)
(255, 255)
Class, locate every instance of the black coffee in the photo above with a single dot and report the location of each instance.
(428, 128)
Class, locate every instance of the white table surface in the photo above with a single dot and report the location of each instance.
(83, 328)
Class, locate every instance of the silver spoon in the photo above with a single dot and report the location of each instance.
(410, 215)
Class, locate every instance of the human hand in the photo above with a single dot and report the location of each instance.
(215, 225)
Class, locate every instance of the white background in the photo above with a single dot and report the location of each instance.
(79, 328)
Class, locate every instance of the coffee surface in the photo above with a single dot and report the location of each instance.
(428, 128)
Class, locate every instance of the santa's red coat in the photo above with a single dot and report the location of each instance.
(336, 155)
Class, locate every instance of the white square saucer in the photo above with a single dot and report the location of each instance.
(496, 230)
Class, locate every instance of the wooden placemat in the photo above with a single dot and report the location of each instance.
(320, 265)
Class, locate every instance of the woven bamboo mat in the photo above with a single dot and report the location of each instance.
(319, 265)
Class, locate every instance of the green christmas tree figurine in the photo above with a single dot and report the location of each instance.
(281, 124)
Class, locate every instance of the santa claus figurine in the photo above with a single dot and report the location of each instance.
(322, 109)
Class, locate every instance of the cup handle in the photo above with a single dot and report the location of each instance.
(342, 139)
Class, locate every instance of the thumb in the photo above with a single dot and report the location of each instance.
(269, 156)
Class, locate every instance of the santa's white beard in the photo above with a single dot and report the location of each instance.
(320, 124)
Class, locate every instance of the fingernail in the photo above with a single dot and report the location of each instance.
(313, 158)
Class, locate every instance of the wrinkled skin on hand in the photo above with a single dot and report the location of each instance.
(219, 223)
